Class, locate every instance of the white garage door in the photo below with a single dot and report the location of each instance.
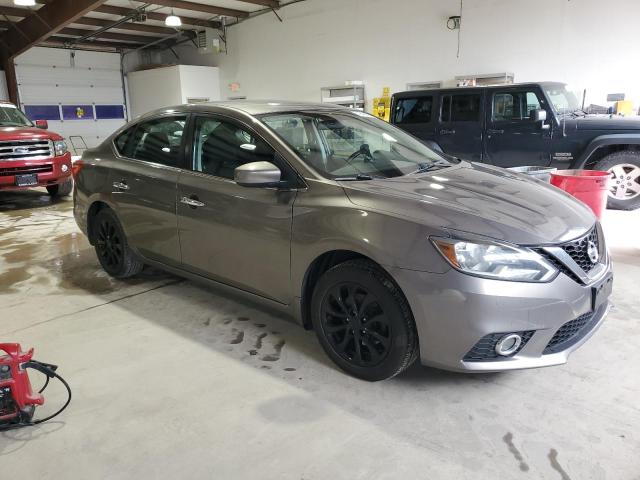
(79, 93)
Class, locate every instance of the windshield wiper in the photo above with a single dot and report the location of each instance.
(423, 168)
(358, 177)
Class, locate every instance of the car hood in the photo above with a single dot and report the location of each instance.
(26, 133)
(607, 122)
(481, 200)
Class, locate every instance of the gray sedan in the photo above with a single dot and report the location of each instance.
(387, 249)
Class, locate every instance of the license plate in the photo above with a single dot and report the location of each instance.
(602, 291)
(26, 180)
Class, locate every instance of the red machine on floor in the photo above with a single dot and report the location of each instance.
(18, 402)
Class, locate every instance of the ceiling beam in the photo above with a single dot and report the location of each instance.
(48, 20)
(63, 42)
(201, 7)
(121, 11)
(15, 11)
(121, 37)
(136, 27)
(266, 3)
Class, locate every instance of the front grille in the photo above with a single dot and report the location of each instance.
(10, 172)
(577, 249)
(485, 349)
(25, 149)
(568, 334)
(558, 264)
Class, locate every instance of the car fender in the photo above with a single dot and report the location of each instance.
(603, 141)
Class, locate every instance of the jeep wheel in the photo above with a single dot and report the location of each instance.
(63, 189)
(624, 167)
(363, 321)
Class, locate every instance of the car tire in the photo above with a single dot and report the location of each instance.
(113, 251)
(363, 321)
(623, 167)
(63, 189)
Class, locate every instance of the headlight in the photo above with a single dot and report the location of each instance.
(496, 261)
(60, 147)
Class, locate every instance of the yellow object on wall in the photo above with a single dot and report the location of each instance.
(623, 107)
(382, 105)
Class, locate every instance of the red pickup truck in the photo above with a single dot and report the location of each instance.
(31, 156)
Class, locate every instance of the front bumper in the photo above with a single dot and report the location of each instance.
(454, 311)
(50, 171)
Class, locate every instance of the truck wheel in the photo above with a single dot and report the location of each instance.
(111, 246)
(363, 321)
(61, 189)
(624, 168)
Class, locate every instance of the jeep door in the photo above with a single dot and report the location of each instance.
(459, 130)
(416, 115)
(236, 235)
(143, 179)
(512, 137)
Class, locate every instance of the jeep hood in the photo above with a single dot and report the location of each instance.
(478, 199)
(607, 122)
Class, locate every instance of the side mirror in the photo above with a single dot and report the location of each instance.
(43, 124)
(258, 174)
(538, 115)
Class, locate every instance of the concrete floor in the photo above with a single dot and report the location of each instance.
(172, 380)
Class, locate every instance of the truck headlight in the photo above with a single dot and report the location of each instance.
(60, 147)
(495, 261)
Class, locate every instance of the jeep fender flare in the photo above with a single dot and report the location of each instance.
(603, 141)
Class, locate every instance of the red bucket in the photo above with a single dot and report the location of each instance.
(590, 186)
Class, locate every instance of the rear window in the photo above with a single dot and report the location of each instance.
(413, 110)
(461, 108)
(121, 141)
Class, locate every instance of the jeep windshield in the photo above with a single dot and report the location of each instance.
(563, 100)
(352, 145)
(10, 116)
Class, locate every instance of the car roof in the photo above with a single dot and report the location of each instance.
(250, 107)
(414, 93)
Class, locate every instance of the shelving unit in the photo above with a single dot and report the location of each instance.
(351, 95)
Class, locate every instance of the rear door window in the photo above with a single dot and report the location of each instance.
(461, 108)
(159, 140)
(413, 110)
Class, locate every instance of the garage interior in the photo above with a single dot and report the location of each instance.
(172, 378)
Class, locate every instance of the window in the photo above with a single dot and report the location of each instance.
(514, 106)
(220, 147)
(10, 116)
(159, 140)
(121, 141)
(413, 110)
(345, 144)
(461, 108)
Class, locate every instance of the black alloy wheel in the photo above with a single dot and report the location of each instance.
(109, 244)
(355, 324)
(363, 321)
(112, 249)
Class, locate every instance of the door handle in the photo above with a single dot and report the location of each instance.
(122, 185)
(445, 131)
(496, 132)
(192, 201)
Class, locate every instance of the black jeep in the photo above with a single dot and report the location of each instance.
(526, 124)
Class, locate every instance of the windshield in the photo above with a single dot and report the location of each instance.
(10, 116)
(562, 99)
(352, 145)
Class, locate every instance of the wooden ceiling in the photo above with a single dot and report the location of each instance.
(114, 24)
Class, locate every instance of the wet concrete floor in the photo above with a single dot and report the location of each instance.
(172, 379)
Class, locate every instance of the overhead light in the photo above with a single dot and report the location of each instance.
(172, 20)
(25, 3)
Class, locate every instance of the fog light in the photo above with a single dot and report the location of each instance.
(65, 168)
(508, 344)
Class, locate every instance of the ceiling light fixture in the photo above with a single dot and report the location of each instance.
(25, 3)
(172, 20)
